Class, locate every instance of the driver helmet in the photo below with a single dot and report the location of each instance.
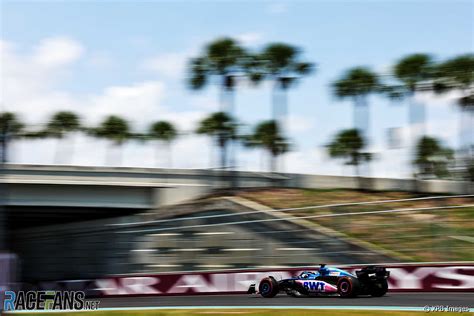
(323, 270)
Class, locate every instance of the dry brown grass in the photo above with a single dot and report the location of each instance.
(421, 235)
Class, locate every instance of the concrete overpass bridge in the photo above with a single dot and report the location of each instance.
(38, 195)
(42, 195)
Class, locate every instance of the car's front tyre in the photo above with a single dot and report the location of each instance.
(268, 287)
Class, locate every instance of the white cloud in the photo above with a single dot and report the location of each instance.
(27, 80)
(57, 51)
(30, 89)
(250, 38)
(172, 65)
(138, 102)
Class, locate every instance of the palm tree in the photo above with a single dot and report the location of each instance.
(223, 59)
(116, 130)
(222, 128)
(165, 132)
(349, 145)
(457, 74)
(432, 159)
(267, 135)
(282, 64)
(357, 84)
(61, 124)
(10, 128)
(415, 73)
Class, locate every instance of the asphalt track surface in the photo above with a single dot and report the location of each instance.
(391, 299)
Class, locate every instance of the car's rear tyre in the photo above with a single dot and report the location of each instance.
(347, 287)
(268, 287)
(379, 288)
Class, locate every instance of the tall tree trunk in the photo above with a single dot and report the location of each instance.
(72, 146)
(417, 127)
(276, 109)
(227, 95)
(280, 106)
(169, 151)
(358, 176)
(4, 147)
(212, 154)
(57, 151)
(284, 112)
(361, 116)
(223, 154)
(61, 155)
(466, 129)
(114, 154)
(108, 154)
(223, 107)
(226, 105)
(119, 148)
(362, 124)
(272, 162)
(280, 114)
(230, 142)
(157, 155)
(416, 118)
(275, 101)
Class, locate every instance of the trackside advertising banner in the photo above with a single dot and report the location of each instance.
(403, 278)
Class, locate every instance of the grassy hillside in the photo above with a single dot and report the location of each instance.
(439, 235)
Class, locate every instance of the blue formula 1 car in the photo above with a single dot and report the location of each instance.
(371, 280)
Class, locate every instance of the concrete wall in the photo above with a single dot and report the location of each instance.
(80, 196)
(379, 184)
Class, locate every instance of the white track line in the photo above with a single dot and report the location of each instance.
(301, 217)
(294, 209)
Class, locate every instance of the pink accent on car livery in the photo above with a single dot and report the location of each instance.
(317, 286)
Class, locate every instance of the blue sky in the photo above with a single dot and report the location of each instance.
(105, 50)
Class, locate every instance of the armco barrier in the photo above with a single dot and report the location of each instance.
(403, 278)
